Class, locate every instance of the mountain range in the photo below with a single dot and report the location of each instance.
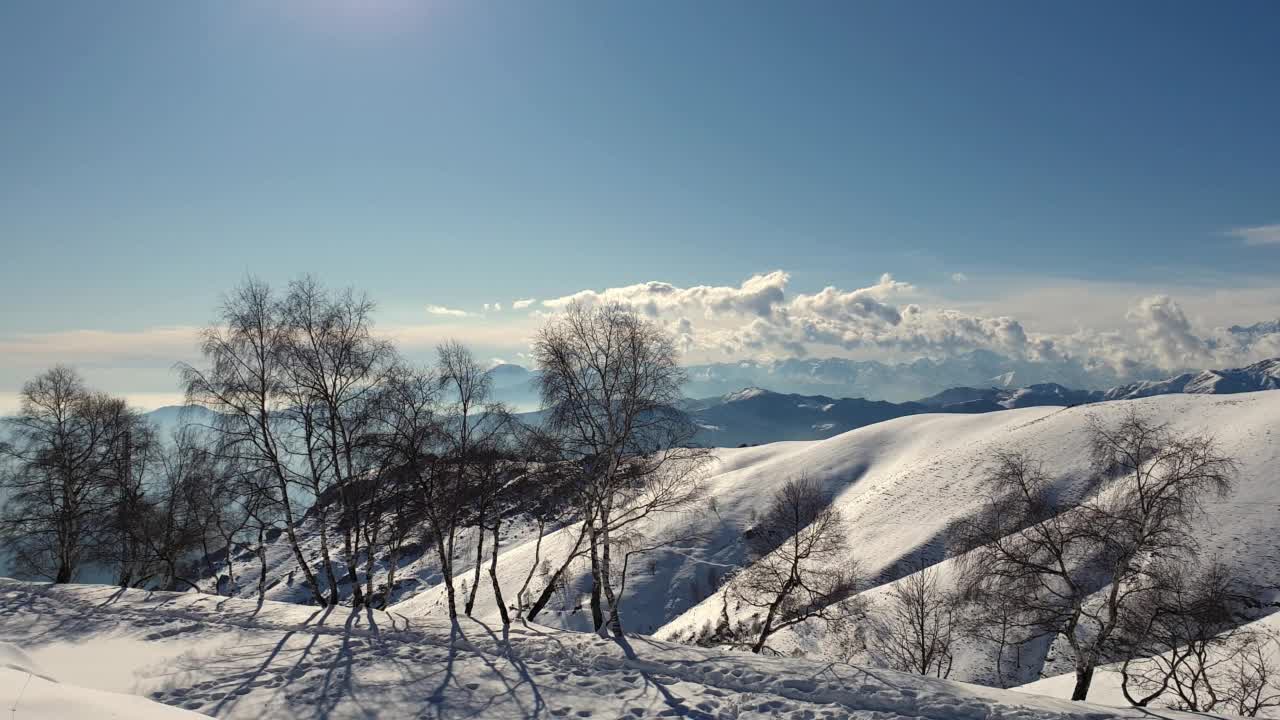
(755, 415)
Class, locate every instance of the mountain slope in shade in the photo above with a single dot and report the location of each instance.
(755, 416)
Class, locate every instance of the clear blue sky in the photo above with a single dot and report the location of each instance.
(153, 152)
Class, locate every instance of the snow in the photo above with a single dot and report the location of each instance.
(232, 658)
(900, 484)
(30, 693)
(1105, 689)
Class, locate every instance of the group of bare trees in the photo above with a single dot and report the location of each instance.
(87, 482)
(1080, 570)
(320, 437)
(1111, 570)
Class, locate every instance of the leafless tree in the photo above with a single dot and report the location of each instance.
(413, 438)
(1252, 683)
(245, 381)
(1176, 634)
(130, 516)
(610, 385)
(549, 504)
(1188, 645)
(1038, 552)
(1001, 621)
(801, 567)
(62, 453)
(471, 424)
(333, 367)
(914, 627)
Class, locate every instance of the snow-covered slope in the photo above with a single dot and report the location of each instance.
(899, 485)
(235, 659)
(1106, 688)
(29, 692)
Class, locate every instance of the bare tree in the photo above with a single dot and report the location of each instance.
(915, 626)
(610, 385)
(1253, 677)
(333, 367)
(1188, 645)
(1036, 551)
(471, 424)
(246, 383)
(1000, 620)
(130, 516)
(1175, 634)
(801, 568)
(60, 457)
(550, 503)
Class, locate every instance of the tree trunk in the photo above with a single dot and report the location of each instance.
(597, 615)
(615, 620)
(767, 628)
(322, 519)
(446, 572)
(475, 577)
(392, 563)
(357, 594)
(545, 596)
(1084, 678)
(493, 576)
(262, 564)
(287, 507)
(537, 552)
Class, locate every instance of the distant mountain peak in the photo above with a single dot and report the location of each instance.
(747, 394)
(1266, 327)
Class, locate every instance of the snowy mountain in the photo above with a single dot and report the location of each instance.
(1256, 330)
(1262, 375)
(899, 382)
(755, 416)
(976, 400)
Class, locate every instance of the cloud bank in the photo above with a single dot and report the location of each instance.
(894, 319)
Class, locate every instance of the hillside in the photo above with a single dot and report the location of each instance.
(238, 659)
(899, 485)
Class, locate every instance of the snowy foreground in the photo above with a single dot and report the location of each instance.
(86, 645)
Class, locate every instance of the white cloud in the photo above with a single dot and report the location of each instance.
(493, 307)
(442, 310)
(959, 278)
(757, 295)
(522, 304)
(1260, 235)
(1164, 327)
(891, 319)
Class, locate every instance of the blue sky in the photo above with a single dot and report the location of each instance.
(459, 153)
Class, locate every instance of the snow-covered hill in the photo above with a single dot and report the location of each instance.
(900, 484)
(237, 659)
